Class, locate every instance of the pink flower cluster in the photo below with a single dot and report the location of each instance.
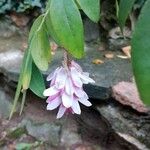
(66, 89)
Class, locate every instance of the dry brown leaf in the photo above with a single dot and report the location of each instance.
(109, 55)
(127, 51)
(20, 20)
(97, 61)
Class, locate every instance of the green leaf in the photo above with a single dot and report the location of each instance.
(50, 28)
(37, 84)
(39, 44)
(24, 80)
(23, 101)
(141, 53)
(27, 70)
(91, 8)
(67, 24)
(27, 146)
(125, 7)
(23, 146)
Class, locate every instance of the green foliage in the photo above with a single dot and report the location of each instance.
(91, 8)
(141, 53)
(37, 84)
(23, 80)
(67, 24)
(125, 7)
(27, 64)
(39, 44)
(27, 146)
(62, 21)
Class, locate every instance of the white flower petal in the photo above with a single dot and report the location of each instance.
(69, 87)
(67, 100)
(50, 91)
(51, 75)
(54, 104)
(61, 111)
(85, 79)
(85, 102)
(79, 92)
(75, 75)
(86, 74)
(61, 78)
(76, 107)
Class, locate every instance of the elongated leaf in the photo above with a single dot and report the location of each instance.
(35, 27)
(125, 7)
(39, 44)
(37, 84)
(50, 28)
(20, 83)
(27, 70)
(141, 53)
(91, 8)
(67, 24)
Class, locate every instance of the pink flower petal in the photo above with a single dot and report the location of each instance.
(76, 107)
(67, 100)
(77, 66)
(61, 111)
(53, 81)
(54, 104)
(50, 98)
(85, 102)
(75, 77)
(50, 91)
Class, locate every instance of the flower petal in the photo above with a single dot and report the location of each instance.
(54, 104)
(75, 75)
(69, 87)
(85, 79)
(77, 66)
(67, 100)
(61, 78)
(79, 92)
(61, 111)
(76, 107)
(85, 102)
(50, 98)
(50, 91)
(51, 75)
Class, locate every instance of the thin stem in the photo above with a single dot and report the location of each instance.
(23, 101)
(67, 61)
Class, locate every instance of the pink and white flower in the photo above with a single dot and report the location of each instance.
(66, 89)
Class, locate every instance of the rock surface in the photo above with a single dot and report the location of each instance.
(123, 120)
(126, 93)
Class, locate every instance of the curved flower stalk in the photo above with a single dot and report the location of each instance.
(66, 89)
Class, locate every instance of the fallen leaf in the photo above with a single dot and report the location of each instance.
(109, 55)
(127, 51)
(122, 56)
(20, 20)
(97, 61)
